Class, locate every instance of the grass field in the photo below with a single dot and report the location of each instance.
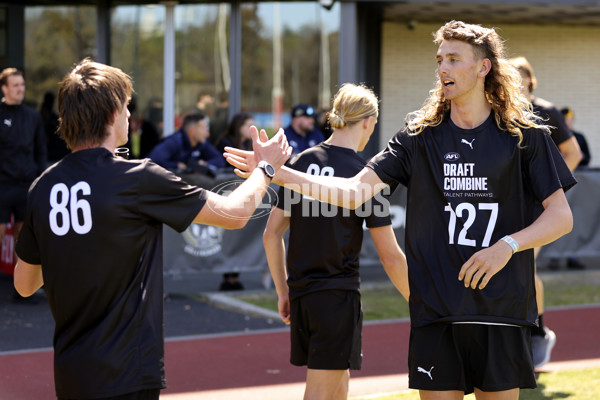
(382, 300)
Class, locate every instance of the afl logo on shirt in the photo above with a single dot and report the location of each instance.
(452, 156)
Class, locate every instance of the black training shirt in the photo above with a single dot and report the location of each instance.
(467, 188)
(559, 131)
(22, 143)
(324, 240)
(94, 223)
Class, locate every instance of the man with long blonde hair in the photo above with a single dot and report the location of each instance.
(476, 162)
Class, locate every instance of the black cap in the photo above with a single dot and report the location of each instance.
(303, 110)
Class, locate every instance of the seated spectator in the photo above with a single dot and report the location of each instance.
(238, 133)
(301, 133)
(187, 150)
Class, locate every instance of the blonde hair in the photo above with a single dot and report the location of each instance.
(523, 66)
(512, 111)
(88, 97)
(6, 72)
(351, 104)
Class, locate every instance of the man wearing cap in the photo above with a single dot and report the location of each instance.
(301, 133)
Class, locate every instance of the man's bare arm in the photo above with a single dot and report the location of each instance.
(27, 278)
(274, 245)
(571, 152)
(555, 221)
(343, 192)
(392, 257)
(234, 211)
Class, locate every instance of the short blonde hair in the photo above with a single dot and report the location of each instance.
(6, 72)
(351, 104)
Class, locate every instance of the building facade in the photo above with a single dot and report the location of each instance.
(264, 57)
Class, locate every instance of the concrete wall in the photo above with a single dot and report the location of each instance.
(565, 60)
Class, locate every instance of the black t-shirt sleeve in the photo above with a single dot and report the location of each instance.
(393, 164)
(27, 246)
(163, 196)
(544, 165)
(559, 131)
(377, 211)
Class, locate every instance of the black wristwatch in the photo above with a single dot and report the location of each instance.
(268, 168)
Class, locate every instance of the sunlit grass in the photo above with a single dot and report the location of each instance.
(382, 300)
(581, 384)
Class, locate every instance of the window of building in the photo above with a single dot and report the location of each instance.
(137, 47)
(289, 56)
(56, 38)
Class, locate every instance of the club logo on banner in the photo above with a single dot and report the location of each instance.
(203, 240)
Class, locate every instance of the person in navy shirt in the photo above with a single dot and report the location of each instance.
(188, 148)
(301, 133)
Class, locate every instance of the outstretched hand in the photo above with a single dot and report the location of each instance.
(243, 161)
(275, 151)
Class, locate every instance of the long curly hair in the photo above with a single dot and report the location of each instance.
(512, 110)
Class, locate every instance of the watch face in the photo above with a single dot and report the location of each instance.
(270, 170)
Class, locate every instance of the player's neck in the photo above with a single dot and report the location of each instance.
(469, 115)
(344, 138)
(86, 147)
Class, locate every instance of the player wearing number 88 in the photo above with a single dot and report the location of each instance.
(93, 237)
(318, 282)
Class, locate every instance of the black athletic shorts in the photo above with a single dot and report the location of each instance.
(13, 199)
(461, 357)
(326, 330)
(146, 394)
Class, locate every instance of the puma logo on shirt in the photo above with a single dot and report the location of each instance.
(465, 141)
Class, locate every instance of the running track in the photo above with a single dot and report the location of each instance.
(255, 366)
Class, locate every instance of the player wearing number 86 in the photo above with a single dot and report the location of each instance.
(476, 162)
(93, 237)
